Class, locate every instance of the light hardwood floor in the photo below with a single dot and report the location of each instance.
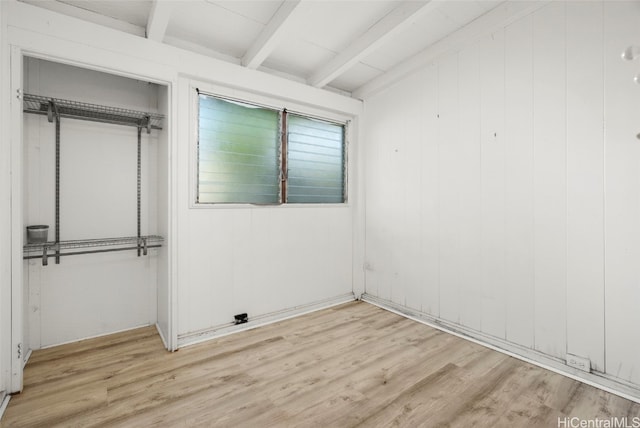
(351, 365)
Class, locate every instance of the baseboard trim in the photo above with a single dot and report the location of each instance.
(597, 380)
(164, 341)
(5, 402)
(261, 320)
(108, 333)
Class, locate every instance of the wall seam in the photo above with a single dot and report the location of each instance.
(533, 172)
(439, 179)
(566, 198)
(604, 199)
(504, 173)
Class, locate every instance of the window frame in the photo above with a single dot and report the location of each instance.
(271, 103)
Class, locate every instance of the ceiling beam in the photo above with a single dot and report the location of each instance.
(268, 40)
(159, 19)
(382, 31)
(494, 20)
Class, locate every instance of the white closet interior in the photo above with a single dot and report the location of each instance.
(112, 273)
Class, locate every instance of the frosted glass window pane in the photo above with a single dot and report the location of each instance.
(315, 161)
(238, 152)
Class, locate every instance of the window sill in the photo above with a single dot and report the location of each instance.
(211, 206)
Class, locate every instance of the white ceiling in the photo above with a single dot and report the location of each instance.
(338, 44)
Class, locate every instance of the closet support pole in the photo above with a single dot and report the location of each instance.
(139, 192)
(57, 189)
(54, 114)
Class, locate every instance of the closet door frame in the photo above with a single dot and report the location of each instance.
(63, 53)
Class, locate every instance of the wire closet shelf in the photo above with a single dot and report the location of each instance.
(56, 108)
(90, 246)
(89, 243)
(38, 104)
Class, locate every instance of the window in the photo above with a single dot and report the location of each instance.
(238, 153)
(315, 160)
(254, 154)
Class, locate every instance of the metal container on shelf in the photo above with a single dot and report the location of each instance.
(37, 234)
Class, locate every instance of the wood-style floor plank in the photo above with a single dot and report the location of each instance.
(351, 365)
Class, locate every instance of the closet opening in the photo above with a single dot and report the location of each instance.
(95, 181)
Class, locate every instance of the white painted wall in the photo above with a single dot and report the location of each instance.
(254, 259)
(93, 294)
(260, 261)
(503, 186)
(622, 194)
(211, 253)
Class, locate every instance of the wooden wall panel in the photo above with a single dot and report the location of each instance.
(550, 179)
(379, 132)
(529, 185)
(519, 181)
(412, 268)
(622, 192)
(430, 179)
(470, 186)
(492, 147)
(449, 188)
(585, 182)
(390, 157)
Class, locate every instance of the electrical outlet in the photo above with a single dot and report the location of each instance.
(241, 318)
(579, 363)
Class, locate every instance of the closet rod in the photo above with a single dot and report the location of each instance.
(142, 243)
(76, 253)
(91, 243)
